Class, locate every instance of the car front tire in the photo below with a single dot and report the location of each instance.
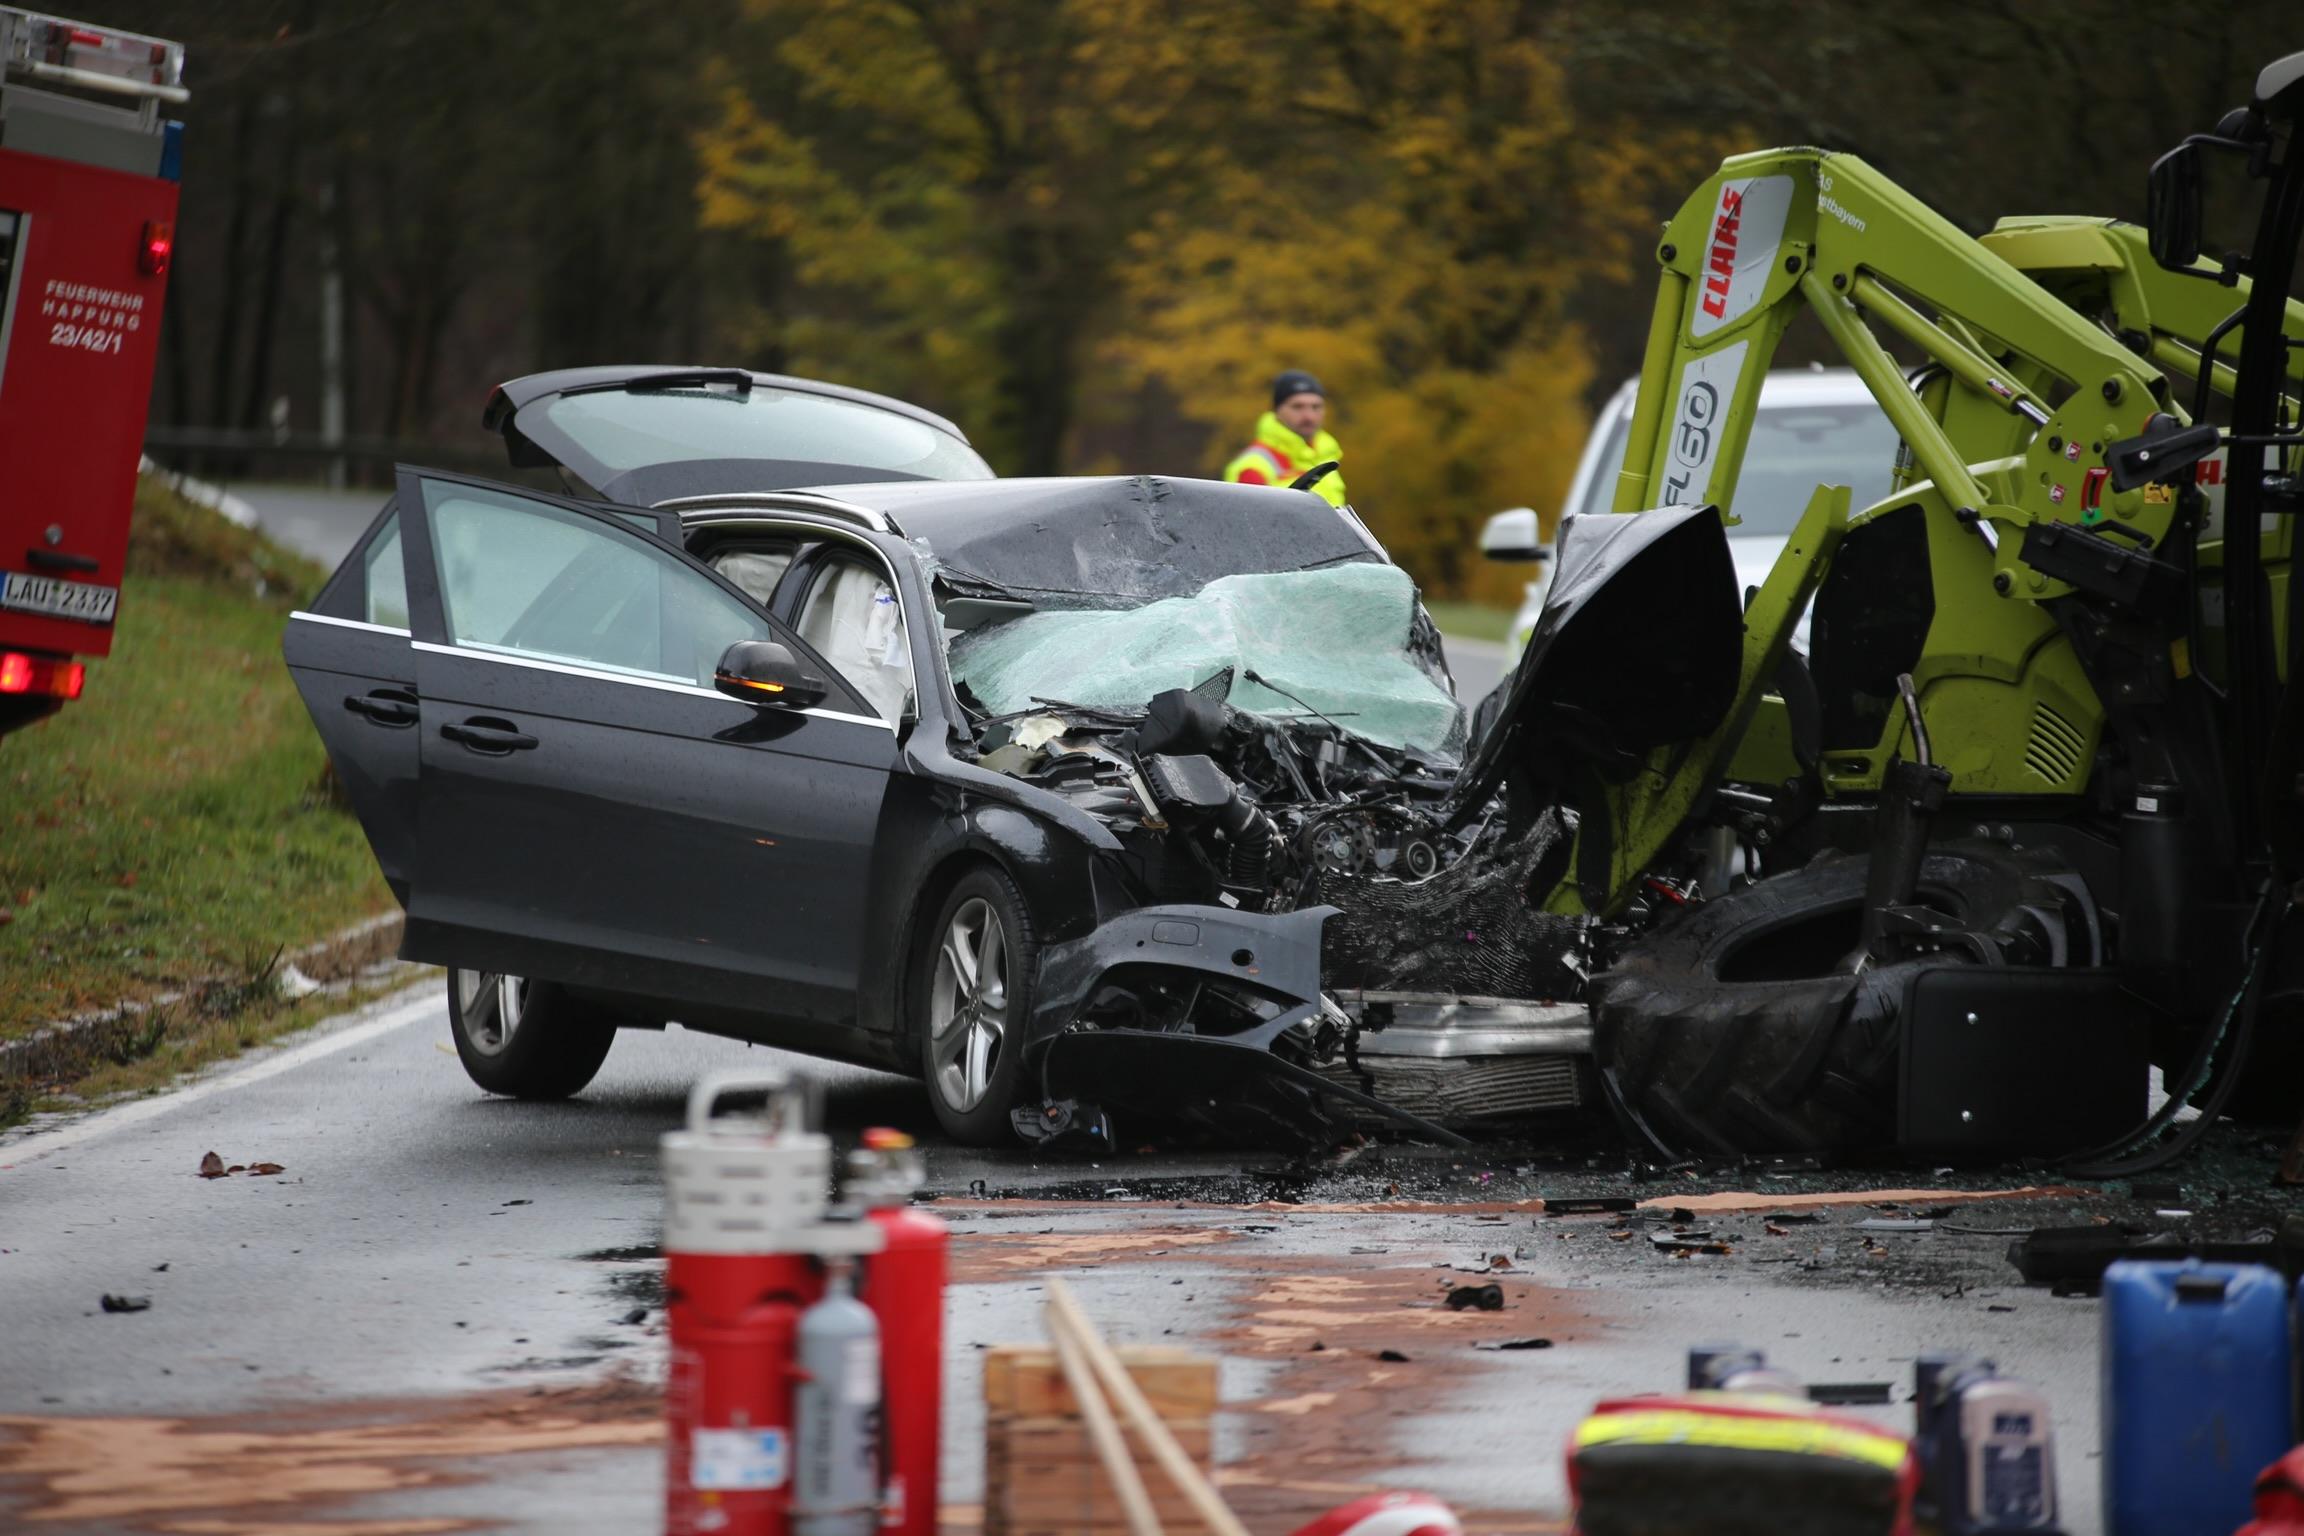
(525, 1039)
(971, 987)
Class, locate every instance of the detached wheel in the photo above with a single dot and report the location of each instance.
(973, 968)
(1738, 1028)
(525, 1039)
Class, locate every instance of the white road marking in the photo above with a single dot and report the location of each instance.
(421, 1003)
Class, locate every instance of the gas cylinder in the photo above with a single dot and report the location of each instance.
(836, 1490)
(904, 1286)
(746, 1225)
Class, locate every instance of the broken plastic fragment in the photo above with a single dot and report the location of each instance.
(1485, 1298)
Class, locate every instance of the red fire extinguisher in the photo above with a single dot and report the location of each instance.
(746, 1230)
(904, 1287)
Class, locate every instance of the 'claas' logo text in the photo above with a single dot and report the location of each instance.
(1723, 262)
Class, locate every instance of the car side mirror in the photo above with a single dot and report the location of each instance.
(1514, 535)
(2172, 202)
(765, 673)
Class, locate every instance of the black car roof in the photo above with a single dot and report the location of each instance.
(515, 394)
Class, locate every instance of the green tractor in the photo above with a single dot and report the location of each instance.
(2027, 820)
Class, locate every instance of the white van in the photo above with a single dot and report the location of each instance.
(1815, 426)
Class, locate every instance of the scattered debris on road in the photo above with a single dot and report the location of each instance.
(214, 1167)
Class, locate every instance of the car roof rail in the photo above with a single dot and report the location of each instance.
(795, 501)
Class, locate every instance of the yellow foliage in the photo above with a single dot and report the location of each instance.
(980, 201)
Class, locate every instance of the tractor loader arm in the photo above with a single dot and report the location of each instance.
(2028, 397)
(1784, 229)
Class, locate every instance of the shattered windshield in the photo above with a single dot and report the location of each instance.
(1334, 644)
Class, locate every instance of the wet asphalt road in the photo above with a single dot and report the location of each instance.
(425, 1242)
(422, 1237)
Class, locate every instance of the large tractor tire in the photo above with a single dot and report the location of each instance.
(1739, 1027)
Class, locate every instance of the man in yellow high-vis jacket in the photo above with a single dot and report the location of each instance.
(1291, 439)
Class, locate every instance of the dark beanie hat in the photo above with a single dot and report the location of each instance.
(1295, 382)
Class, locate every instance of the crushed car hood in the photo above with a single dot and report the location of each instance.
(1650, 596)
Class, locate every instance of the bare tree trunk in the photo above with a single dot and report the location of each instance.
(270, 295)
(228, 271)
(1040, 345)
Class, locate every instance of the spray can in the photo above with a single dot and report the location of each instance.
(1987, 1454)
(837, 1491)
(904, 1286)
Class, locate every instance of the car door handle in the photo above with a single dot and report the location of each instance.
(384, 706)
(485, 733)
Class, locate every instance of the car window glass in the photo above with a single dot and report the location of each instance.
(1600, 493)
(853, 621)
(625, 429)
(1793, 450)
(756, 571)
(387, 577)
(520, 576)
(1796, 448)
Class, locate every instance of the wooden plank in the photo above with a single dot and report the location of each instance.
(1056, 1440)
(1116, 1469)
(1025, 1381)
(1064, 1314)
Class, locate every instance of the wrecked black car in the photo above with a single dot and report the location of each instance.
(1043, 791)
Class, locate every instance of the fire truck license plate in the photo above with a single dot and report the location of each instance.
(81, 600)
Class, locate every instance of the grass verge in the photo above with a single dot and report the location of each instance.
(173, 830)
(1470, 621)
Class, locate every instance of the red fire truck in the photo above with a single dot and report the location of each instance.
(88, 173)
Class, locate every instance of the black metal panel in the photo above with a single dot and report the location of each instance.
(1871, 619)
(2005, 1062)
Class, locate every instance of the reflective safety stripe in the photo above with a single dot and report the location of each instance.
(1289, 456)
(1796, 1434)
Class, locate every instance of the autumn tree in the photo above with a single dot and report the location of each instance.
(1419, 242)
(957, 182)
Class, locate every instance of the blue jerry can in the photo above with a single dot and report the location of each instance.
(2197, 1393)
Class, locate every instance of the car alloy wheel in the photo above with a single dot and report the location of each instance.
(492, 1006)
(968, 1005)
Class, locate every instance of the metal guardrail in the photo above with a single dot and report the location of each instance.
(212, 444)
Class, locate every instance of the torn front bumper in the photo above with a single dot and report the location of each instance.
(1216, 1020)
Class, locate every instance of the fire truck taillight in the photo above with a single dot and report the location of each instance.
(20, 673)
(159, 244)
